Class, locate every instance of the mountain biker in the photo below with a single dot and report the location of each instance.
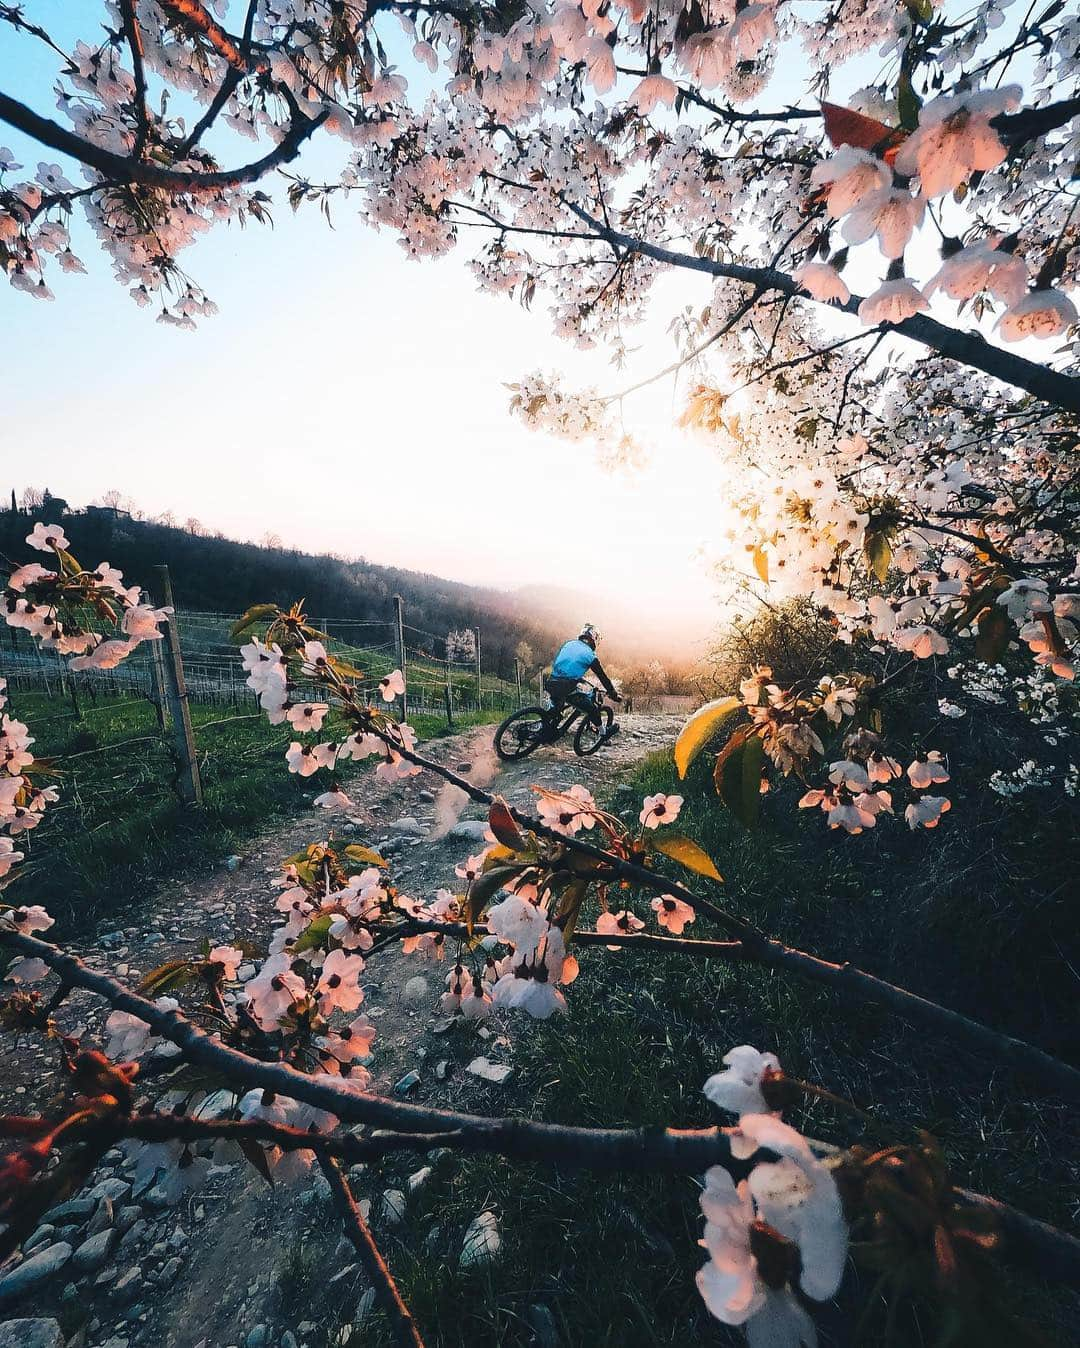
(574, 660)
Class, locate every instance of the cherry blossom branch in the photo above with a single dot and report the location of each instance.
(660, 945)
(123, 169)
(968, 348)
(345, 1147)
(1033, 1243)
(671, 1150)
(225, 89)
(359, 1233)
(135, 43)
(767, 950)
(192, 15)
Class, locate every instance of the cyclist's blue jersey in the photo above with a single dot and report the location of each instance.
(573, 660)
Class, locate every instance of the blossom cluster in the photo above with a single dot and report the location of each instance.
(72, 611)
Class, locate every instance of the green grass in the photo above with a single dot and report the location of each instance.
(119, 828)
(613, 1258)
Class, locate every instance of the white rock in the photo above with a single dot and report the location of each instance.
(393, 1206)
(482, 1241)
(469, 830)
(415, 991)
(490, 1071)
(419, 1178)
(31, 1334)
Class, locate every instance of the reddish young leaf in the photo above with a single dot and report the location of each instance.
(844, 127)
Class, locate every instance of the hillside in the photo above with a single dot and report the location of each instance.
(212, 573)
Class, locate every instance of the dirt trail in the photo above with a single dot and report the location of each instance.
(207, 1273)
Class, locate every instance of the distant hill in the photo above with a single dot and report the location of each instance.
(214, 573)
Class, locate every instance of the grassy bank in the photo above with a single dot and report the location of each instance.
(119, 826)
(611, 1260)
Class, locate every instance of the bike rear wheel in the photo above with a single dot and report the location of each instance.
(593, 731)
(521, 733)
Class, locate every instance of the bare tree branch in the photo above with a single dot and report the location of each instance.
(359, 1233)
(969, 348)
(122, 169)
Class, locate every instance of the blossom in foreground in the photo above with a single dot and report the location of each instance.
(780, 1226)
(567, 811)
(1040, 313)
(851, 174)
(932, 772)
(660, 809)
(339, 982)
(393, 685)
(653, 91)
(926, 812)
(272, 992)
(229, 957)
(48, 538)
(518, 922)
(26, 969)
(129, 1036)
(531, 983)
(823, 282)
(623, 923)
(307, 715)
(738, 1088)
(8, 856)
(29, 920)
(954, 139)
(672, 914)
(890, 214)
(892, 302)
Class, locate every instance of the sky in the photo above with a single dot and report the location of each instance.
(347, 399)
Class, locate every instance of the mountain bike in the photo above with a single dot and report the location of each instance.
(527, 729)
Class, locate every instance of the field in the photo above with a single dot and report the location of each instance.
(119, 825)
(610, 1260)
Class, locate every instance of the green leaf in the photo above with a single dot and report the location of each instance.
(367, 856)
(314, 935)
(485, 887)
(687, 853)
(993, 635)
(877, 552)
(256, 614)
(908, 103)
(166, 977)
(738, 776)
(700, 728)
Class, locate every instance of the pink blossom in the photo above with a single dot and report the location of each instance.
(48, 538)
(660, 809)
(672, 914)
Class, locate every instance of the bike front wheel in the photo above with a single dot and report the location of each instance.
(521, 733)
(593, 731)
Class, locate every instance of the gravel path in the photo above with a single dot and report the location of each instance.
(117, 1268)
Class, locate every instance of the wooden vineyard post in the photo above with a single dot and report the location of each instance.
(189, 782)
(399, 639)
(517, 678)
(157, 671)
(479, 685)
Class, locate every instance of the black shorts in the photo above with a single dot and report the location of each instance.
(562, 691)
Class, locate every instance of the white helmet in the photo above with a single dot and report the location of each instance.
(590, 633)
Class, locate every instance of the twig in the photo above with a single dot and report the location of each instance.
(359, 1233)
